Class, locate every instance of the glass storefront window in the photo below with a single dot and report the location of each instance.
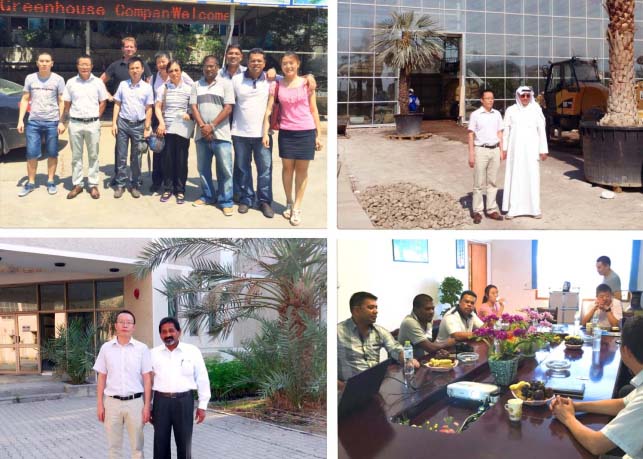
(109, 294)
(342, 39)
(385, 89)
(19, 298)
(342, 90)
(343, 14)
(475, 5)
(52, 297)
(561, 7)
(342, 64)
(561, 27)
(495, 23)
(361, 65)
(495, 45)
(384, 113)
(105, 326)
(360, 113)
(80, 295)
(360, 90)
(475, 22)
(514, 23)
(361, 40)
(362, 16)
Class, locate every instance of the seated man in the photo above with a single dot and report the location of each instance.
(359, 340)
(610, 310)
(624, 430)
(417, 328)
(460, 321)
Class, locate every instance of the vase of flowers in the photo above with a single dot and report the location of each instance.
(509, 337)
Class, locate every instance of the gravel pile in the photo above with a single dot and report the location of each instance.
(409, 206)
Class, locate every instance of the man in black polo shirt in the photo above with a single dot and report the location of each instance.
(118, 71)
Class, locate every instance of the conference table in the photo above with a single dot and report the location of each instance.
(376, 431)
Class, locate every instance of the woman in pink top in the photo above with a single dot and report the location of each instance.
(490, 303)
(299, 130)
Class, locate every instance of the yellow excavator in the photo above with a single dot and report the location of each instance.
(574, 93)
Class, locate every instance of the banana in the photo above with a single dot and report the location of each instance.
(440, 363)
(519, 385)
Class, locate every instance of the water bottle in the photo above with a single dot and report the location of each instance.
(409, 370)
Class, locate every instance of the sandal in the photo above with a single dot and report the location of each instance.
(180, 198)
(166, 196)
(288, 212)
(295, 218)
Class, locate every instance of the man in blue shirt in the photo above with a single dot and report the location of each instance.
(131, 123)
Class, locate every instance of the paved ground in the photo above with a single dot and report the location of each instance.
(68, 429)
(41, 210)
(568, 201)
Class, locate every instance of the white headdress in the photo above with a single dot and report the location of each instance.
(525, 90)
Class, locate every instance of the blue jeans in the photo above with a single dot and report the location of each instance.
(245, 148)
(129, 134)
(222, 152)
(34, 131)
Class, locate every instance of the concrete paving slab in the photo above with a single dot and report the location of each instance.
(440, 163)
(38, 209)
(68, 429)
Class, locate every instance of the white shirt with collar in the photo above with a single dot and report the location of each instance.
(625, 429)
(85, 96)
(124, 366)
(453, 322)
(223, 72)
(181, 370)
(251, 98)
(485, 125)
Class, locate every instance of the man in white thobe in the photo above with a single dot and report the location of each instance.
(525, 143)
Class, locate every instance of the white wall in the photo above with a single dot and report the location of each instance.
(510, 263)
(369, 266)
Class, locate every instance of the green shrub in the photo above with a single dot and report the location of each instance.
(72, 350)
(225, 380)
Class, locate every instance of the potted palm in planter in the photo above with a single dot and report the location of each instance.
(408, 43)
(611, 147)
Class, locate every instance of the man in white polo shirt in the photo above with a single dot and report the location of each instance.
(624, 431)
(485, 146)
(459, 323)
(124, 389)
(251, 90)
(85, 97)
(179, 370)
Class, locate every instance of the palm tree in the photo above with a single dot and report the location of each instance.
(287, 276)
(408, 43)
(621, 103)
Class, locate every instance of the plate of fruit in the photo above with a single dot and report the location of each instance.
(532, 393)
(441, 365)
(573, 342)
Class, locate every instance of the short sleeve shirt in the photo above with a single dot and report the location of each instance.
(223, 72)
(210, 99)
(176, 103)
(625, 429)
(118, 71)
(411, 330)
(124, 366)
(614, 281)
(485, 125)
(453, 322)
(85, 96)
(251, 98)
(44, 95)
(355, 355)
(134, 99)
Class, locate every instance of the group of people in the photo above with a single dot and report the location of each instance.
(521, 140)
(360, 339)
(136, 386)
(232, 108)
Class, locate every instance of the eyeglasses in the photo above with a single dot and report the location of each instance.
(525, 96)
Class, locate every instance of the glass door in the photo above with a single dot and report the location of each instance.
(19, 350)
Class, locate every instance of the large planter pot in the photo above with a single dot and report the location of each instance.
(504, 371)
(613, 156)
(408, 125)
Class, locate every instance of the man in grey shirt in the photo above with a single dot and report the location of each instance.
(604, 268)
(417, 328)
(44, 91)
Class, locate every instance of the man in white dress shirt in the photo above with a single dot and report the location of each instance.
(485, 145)
(179, 369)
(624, 430)
(460, 322)
(124, 389)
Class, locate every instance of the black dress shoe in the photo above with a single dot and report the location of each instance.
(477, 218)
(266, 210)
(243, 208)
(495, 216)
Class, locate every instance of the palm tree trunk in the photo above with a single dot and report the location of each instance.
(403, 93)
(621, 104)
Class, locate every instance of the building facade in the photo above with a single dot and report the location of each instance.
(501, 44)
(45, 283)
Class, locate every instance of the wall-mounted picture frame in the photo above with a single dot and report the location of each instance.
(411, 250)
(459, 254)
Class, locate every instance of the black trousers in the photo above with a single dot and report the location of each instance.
(175, 163)
(173, 414)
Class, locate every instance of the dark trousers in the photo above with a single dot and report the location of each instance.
(175, 163)
(173, 414)
(157, 169)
